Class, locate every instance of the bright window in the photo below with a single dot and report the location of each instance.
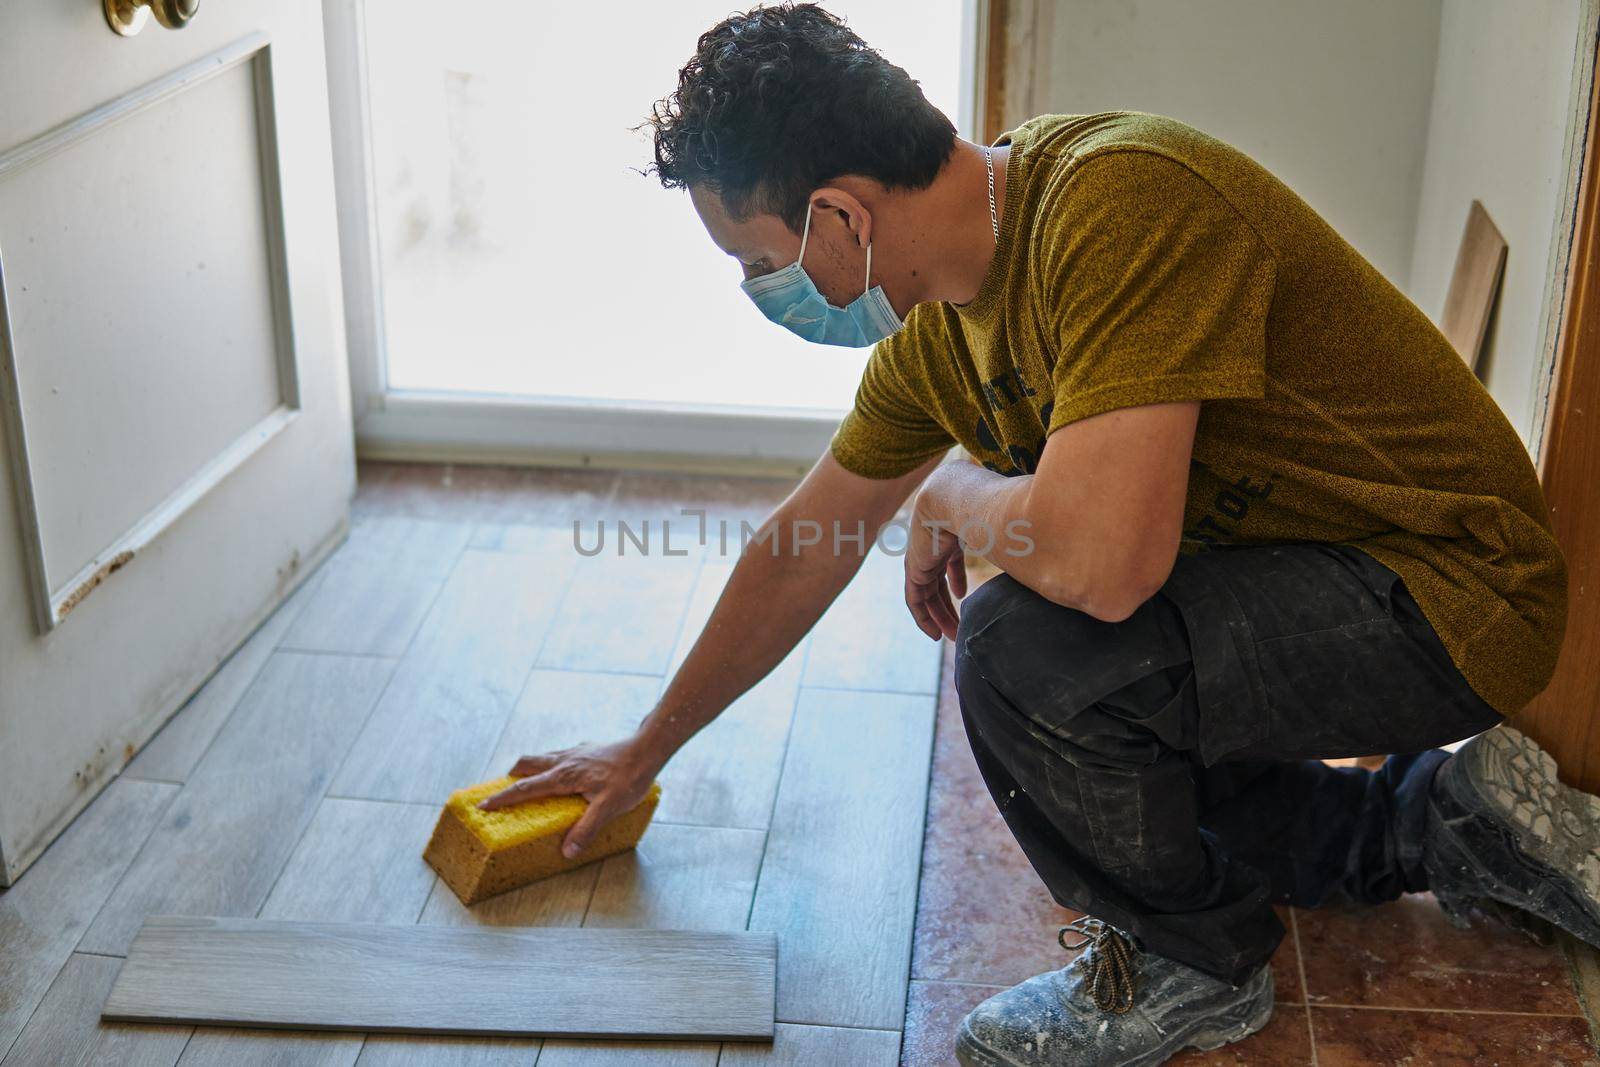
(523, 253)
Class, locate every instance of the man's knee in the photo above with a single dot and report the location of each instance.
(1058, 665)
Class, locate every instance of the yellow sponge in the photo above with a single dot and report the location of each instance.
(480, 853)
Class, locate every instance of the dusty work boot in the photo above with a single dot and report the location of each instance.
(1112, 1006)
(1506, 839)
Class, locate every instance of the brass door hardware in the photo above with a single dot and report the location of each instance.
(128, 17)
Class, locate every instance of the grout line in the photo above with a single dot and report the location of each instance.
(427, 805)
(1449, 1011)
(298, 651)
(777, 789)
(922, 851)
(880, 692)
(1305, 990)
(959, 982)
(144, 778)
(590, 670)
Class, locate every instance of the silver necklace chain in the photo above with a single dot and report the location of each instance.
(994, 218)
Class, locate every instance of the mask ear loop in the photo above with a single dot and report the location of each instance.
(805, 236)
(867, 285)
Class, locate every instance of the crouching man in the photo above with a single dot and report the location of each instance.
(1273, 518)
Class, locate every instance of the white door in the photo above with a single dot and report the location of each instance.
(172, 381)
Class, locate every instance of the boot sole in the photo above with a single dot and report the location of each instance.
(1236, 1023)
(1510, 781)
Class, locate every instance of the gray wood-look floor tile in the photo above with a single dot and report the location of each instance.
(802, 1046)
(379, 586)
(411, 1050)
(44, 914)
(622, 613)
(839, 882)
(557, 901)
(452, 693)
(213, 1046)
(224, 839)
(701, 985)
(867, 639)
(562, 1053)
(678, 878)
(173, 752)
(540, 540)
(727, 774)
(559, 709)
(66, 1030)
(359, 861)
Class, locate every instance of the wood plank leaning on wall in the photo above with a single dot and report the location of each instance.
(1565, 718)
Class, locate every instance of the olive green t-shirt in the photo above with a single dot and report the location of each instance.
(1141, 261)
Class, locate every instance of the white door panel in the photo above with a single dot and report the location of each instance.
(176, 406)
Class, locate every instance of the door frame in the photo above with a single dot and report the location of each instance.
(1563, 718)
(431, 425)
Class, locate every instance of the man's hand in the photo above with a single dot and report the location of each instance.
(612, 777)
(936, 573)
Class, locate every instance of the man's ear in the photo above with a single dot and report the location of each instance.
(833, 202)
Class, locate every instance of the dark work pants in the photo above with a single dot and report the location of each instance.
(1163, 773)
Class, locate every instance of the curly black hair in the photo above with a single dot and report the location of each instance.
(780, 100)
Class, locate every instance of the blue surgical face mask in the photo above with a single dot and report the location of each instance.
(791, 299)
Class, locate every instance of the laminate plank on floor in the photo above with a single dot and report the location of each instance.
(839, 882)
(44, 914)
(796, 1045)
(66, 1030)
(677, 878)
(380, 583)
(451, 695)
(867, 639)
(623, 613)
(420, 979)
(225, 837)
(359, 861)
(727, 774)
(171, 755)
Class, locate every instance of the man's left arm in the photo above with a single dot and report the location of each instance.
(1096, 527)
(1156, 294)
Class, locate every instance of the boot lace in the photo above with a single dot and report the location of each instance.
(1107, 962)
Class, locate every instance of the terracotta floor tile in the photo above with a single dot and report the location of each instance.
(1286, 962)
(933, 1013)
(533, 496)
(1405, 954)
(1365, 1037)
(733, 498)
(1284, 1042)
(983, 915)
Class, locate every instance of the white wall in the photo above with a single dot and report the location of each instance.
(1498, 133)
(1333, 98)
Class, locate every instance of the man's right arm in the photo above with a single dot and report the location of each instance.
(778, 590)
